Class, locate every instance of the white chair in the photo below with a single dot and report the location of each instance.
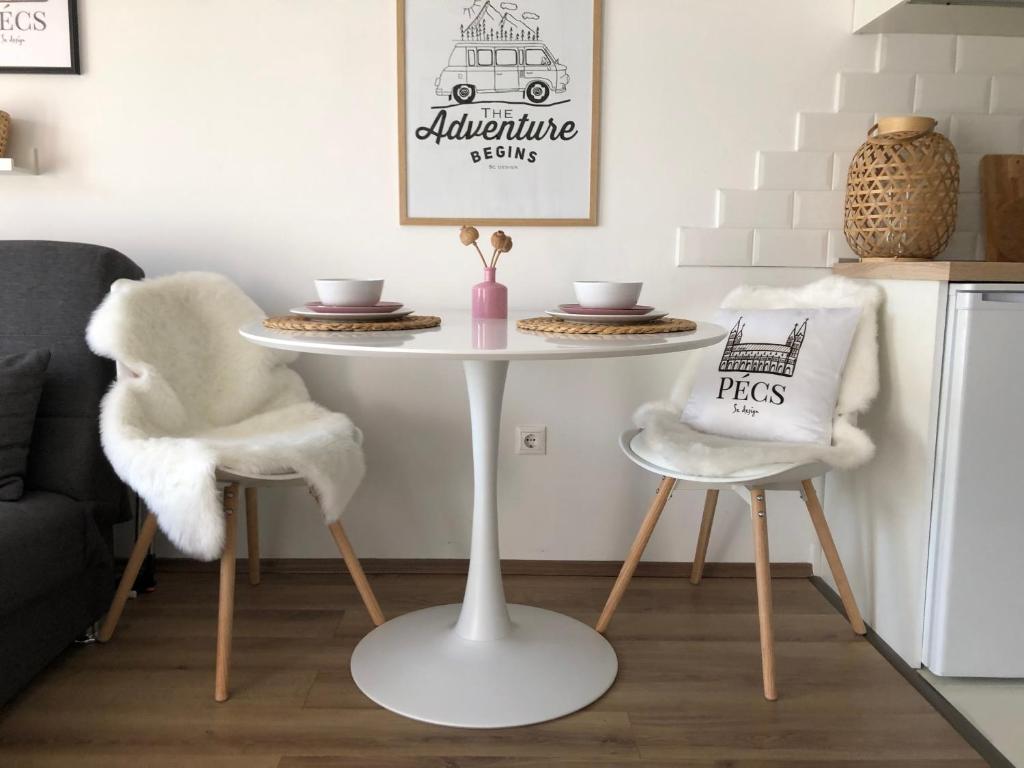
(685, 458)
(197, 414)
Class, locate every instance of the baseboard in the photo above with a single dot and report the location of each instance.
(459, 567)
(940, 703)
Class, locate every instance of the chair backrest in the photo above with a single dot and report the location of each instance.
(179, 335)
(859, 385)
(48, 290)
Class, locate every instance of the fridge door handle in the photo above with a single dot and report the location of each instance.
(1004, 301)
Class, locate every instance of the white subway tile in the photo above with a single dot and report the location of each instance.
(990, 55)
(832, 131)
(713, 247)
(970, 171)
(968, 212)
(841, 169)
(794, 170)
(942, 123)
(871, 92)
(917, 53)
(790, 248)
(818, 210)
(838, 248)
(963, 246)
(753, 208)
(987, 134)
(1008, 94)
(952, 93)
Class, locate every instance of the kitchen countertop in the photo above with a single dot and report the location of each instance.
(943, 271)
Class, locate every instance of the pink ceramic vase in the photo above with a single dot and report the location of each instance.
(490, 298)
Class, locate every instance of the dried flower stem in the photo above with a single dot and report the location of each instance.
(482, 259)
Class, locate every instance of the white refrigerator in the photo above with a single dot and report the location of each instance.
(974, 598)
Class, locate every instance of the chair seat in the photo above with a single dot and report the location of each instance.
(635, 445)
(232, 475)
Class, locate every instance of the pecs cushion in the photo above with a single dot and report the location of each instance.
(21, 384)
(775, 377)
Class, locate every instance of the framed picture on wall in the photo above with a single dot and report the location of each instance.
(39, 37)
(498, 111)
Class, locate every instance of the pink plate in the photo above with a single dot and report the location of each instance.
(380, 306)
(576, 309)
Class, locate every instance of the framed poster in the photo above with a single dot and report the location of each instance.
(498, 111)
(39, 36)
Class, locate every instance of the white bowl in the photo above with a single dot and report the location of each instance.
(601, 294)
(344, 292)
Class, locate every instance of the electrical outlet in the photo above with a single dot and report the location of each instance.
(532, 440)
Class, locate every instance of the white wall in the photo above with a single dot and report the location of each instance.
(257, 138)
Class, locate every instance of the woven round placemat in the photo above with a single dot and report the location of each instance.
(298, 323)
(554, 325)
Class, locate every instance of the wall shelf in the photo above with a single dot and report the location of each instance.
(8, 167)
(962, 17)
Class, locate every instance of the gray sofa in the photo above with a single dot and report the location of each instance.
(56, 569)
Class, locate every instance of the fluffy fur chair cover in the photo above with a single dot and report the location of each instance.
(682, 448)
(192, 396)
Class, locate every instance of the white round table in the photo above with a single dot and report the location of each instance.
(484, 663)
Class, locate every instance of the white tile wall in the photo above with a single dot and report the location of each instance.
(871, 92)
(1008, 94)
(917, 53)
(942, 122)
(973, 87)
(832, 131)
(794, 170)
(818, 210)
(952, 93)
(964, 246)
(753, 208)
(990, 55)
(791, 248)
(970, 166)
(838, 249)
(841, 169)
(968, 212)
(985, 134)
(713, 247)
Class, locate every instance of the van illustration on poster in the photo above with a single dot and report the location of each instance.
(39, 37)
(498, 111)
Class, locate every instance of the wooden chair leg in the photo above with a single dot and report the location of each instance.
(762, 567)
(636, 552)
(828, 546)
(226, 603)
(710, 501)
(252, 529)
(131, 570)
(356, 571)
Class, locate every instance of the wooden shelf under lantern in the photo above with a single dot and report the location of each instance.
(901, 191)
(5, 130)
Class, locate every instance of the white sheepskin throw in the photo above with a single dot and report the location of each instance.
(682, 448)
(192, 395)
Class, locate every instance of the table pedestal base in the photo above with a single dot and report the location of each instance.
(548, 666)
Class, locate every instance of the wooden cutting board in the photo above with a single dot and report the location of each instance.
(1002, 199)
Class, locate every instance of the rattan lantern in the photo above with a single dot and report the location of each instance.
(5, 128)
(901, 191)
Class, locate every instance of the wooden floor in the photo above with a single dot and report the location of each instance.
(688, 692)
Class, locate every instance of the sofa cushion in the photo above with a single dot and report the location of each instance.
(21, 383)
(45, 538)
